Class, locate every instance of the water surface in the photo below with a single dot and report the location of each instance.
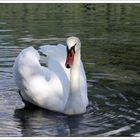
(111, 55)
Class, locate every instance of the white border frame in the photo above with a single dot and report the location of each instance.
(69, 138)
(70, 1)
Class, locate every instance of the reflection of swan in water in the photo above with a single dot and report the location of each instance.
(40, 122)
(56, 87)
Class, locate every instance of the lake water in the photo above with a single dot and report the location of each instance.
(110, 36)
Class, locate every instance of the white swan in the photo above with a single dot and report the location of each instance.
(61, 86)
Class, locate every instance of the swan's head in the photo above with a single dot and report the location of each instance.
(73, 45)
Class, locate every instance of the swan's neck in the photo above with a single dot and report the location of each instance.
(75, 74)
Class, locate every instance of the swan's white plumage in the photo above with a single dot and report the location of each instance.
(49, 87)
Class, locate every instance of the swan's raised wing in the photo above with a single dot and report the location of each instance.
(56, 57)
(56, 52)
(40, 85)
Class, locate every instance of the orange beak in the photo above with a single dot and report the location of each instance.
(70, 58)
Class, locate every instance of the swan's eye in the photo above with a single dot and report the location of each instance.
(73, 48)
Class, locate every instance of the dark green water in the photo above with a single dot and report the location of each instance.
(110, 36)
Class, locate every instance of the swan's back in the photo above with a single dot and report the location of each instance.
(40, 85)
